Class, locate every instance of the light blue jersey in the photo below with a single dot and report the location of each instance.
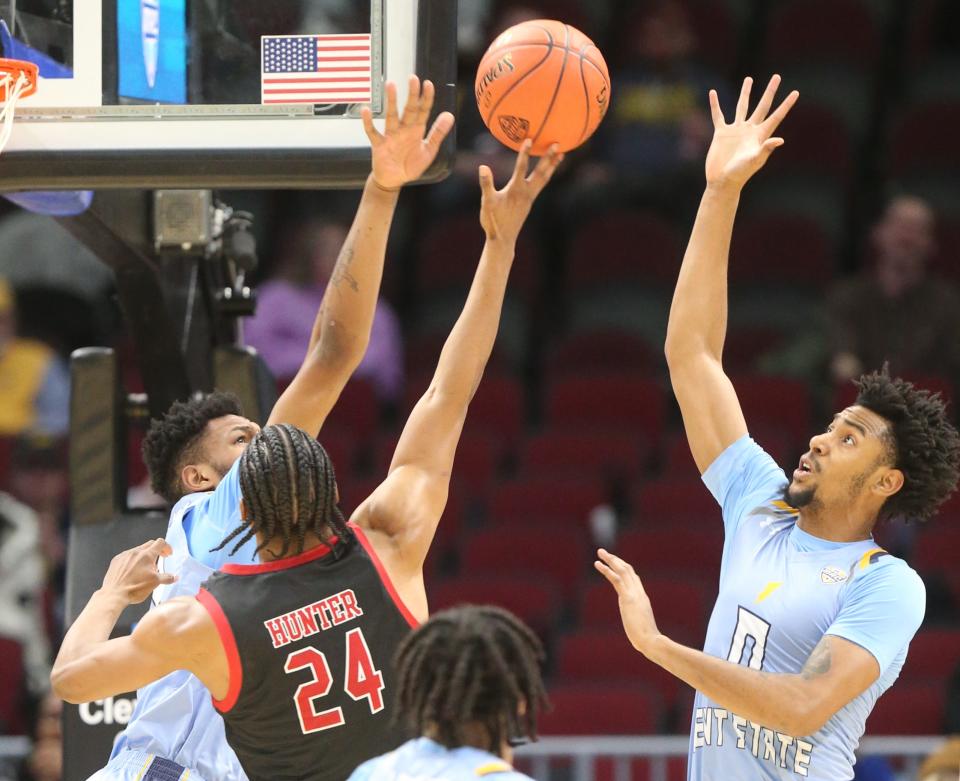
(174, 717)
(781, 591)
(422, 759)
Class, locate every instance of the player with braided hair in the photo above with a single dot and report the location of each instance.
(298, 649)
(193, 451)
(469, 686)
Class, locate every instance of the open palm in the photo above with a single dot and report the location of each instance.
(741, 147)
(503, 211)
(401, 153)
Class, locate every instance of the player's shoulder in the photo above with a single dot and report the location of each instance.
(877, 568)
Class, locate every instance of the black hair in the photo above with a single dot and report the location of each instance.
(289, 489)
(174, 440)
(923, 444)
(471, 665)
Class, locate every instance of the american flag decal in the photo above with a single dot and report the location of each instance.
(315, 69)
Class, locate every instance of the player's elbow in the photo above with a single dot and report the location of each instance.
(806, 719)
(339, 349)
(67, 683)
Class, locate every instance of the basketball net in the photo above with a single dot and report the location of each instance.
(17, 80)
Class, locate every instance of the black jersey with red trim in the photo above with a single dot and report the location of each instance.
(310, 641)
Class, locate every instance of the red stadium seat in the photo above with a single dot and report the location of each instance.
(909, 709)
(782, 249)
(924, 139)
(605, 350)
(12, 689)
(532, 599)
(448, 254)
(539, 500)
(936, 549)
(559, 553)
(681, 605)
(658, 501)
(746, 345)
(622, 402)
(775, 403)
(355, 414)
(497, 409)
(623, 246)
(819, 144)
(476, 463)
(678, 461)
(661, 551)
(599, 709)
(570, 452)
(933, 657)
(606, 656)
(800, 32)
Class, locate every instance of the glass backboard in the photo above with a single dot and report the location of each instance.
(210, 93)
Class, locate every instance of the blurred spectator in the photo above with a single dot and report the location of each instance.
(658, 128)
(39, 479)
(896, 310)
(22, 583)
(45, 762)
(287, 307)
(34, 382)
(943, 764)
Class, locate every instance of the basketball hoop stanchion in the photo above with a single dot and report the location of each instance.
(18, 79)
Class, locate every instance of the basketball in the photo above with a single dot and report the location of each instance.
(542, 80)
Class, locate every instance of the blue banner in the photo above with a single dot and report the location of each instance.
(152, 50)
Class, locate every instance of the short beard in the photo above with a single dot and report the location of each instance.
(800, 497)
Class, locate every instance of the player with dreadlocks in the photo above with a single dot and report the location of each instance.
(469, 686)
(297, 650)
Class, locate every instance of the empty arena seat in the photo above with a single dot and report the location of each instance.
(662, 551)
(936, 548)
(12, 691)
(933, 657)
(623, 247)
(796, 32)
(681, 605)
(656, 502)
(539, 500)
(572, 452)
(601, 709)
(622, 402)
(450, 248)
(602, 350)
(533, 599)
(924, 138)
(558, 553)
(788, 249)
(909, 709)
(820, 144)
(476, 463)
(356, 413)
(775, 403)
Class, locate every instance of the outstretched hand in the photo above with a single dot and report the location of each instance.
(133, 574)
(503, 212)
(635, 609)
(740, 148)
(401, 153)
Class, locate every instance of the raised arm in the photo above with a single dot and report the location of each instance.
(698, 316)
(408, 504)
(342, 329)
